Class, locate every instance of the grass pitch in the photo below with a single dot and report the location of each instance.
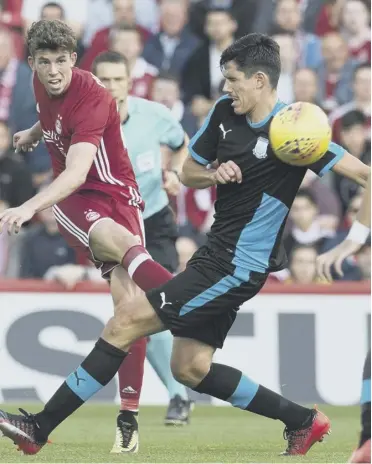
(215, 434)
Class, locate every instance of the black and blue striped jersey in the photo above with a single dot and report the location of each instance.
(250, 216)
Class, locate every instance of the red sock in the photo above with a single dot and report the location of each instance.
(145, 272)
(131, 376)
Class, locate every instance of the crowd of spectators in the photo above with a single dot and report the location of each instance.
(173, 48)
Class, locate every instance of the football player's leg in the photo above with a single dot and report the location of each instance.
(363, 453)
(159, 352)
(131, 321)
(123, 289)
(112, 242)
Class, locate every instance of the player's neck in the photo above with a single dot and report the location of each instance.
(263, 108)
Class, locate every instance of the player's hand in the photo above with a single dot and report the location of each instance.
(14, 218)
(228, 173)
(171, 183)
(335, 258)
(24, 141)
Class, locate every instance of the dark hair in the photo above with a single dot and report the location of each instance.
(253, 53)
(167, 76)
(352, 118)
(305, 193)
(54, 5)
(50, 35)
(109, 57)
(360, 66)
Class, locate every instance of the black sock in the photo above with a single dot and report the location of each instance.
(229, 384)
(97, 369)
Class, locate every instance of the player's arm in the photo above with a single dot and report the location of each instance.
(351, 167)
(196, 172)
(357, 236)
(79, 160)
(28, 139)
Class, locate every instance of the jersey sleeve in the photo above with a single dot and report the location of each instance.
(333, 155)
(203, 146)
(171, 132)
(89, 119)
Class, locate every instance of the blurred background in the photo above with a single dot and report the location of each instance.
(173, 47)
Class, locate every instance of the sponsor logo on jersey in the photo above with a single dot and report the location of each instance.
(92, 216)
(260, 150)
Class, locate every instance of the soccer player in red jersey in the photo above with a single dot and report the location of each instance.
(94, 194)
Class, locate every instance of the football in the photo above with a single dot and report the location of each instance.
(300, 134)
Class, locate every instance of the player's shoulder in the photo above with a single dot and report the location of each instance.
(223, 103)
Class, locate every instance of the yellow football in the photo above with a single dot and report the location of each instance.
(300, 134)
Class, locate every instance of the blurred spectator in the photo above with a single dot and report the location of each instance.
(335, 73)
(186, 247)
(4, 245)
(353, 139)
(54, 10)
(361, 101)
(195, 212)
(329, 17)
(76, 12)
(15, 179)
(308, 47)
(306, 228)
(288, 61)
(302, 265)
(11, 20)
(148, 15)
(166, 91)
(202, 75)
(17, 103)
(328, 203)
(123, 15)
(349, 268)
(127, 41)
(310, 11)
(243, 10)
(355, 26)
(45, 237)
(305, 86)
(99, 16)
(172, 47)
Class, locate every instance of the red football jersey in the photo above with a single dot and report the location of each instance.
(143, 76)
(86, 112)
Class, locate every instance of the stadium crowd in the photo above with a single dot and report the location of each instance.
(173, 48)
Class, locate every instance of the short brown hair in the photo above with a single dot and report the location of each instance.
(50, 35)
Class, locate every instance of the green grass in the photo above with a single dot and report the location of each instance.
(216, 434)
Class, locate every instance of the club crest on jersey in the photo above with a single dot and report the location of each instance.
(260, 150)
(59, 125)
(91, 216)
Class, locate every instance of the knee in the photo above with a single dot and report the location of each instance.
(191, 372)
(118, 330)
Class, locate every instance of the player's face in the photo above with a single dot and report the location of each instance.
(54, 69)
(114, 76)
(245, 91)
